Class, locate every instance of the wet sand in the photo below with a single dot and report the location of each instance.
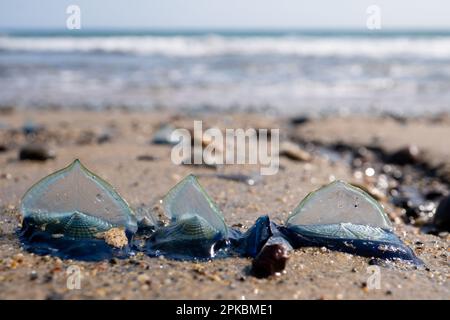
(109, 143)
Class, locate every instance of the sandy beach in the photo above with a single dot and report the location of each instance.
(117, 146)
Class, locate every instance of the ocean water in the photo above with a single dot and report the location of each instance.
(293, 72)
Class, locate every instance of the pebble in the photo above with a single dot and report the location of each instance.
(36, 152)
(86, 137)
(143, 279)
(31, 128)
(164, 135)
(294, 152)
(6, 176)
(299, 120)
(406, 155)
(271, 260)
(115, 237)
(54, 296)
(33, 275)
(442, 216)
(104, 137)
(145, 157)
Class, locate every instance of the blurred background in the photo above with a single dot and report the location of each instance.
(284, 56)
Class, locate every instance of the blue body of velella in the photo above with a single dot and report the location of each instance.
(389, 246)
(187, 239)
(250, 243)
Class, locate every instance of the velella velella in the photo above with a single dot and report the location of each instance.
(345, 218)
(197, 229)
(74, 213)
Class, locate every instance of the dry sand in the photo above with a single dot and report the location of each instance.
(311, 273)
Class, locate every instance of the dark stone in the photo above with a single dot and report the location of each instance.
(33, 275)
(103, 138)
(36, 152)
(407, 155)
(442, 216)
(270, 260)
(145, 157)
(31, 128)
(299, 120)
(54, 296)
(164, 135)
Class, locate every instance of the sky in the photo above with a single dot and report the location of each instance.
(197, 14)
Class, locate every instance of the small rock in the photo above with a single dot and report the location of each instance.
(36, 152)
(143, 279)
(272, 259)
(247, 179)
(210, 162)
(6, 176)
(33, 275)
(6, 109)
(408, 155)
(31, 127)
(435, 191)
(442, 216)
(48, 278)
(104, 137)
(299, 120)
(86, 137)
(115, 237)
(54, 296)
(294, 152)
(164, 135)
(145, 157)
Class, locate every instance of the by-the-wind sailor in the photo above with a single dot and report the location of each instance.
(74, 213)
(345, 218)
(197, 229)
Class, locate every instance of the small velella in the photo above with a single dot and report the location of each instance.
(345, 218)
(197, 229)
(74, 213)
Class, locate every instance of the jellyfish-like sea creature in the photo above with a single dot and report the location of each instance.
(345, 218)
(69, 212)
(197, 228)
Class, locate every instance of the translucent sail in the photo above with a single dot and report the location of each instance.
(337, 203)
(343, 231)
(188, 199)
(73, 194)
